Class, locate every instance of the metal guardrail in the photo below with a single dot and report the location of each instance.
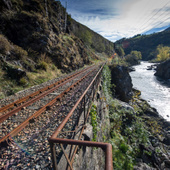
(85, 101)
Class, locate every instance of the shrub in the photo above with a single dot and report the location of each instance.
(45, 58)
(53, 67)
(8, 14)
(163, 53)
(4, 45)
(122, 152)
(43, 66)
(23, 81)
(119, 50)
(17, 2)
(19, 52)
(133, 58)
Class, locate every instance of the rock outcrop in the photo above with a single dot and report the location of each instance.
(122, 80)
(163, 70)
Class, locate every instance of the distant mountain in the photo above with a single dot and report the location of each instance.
(147, 44)
(168, 29)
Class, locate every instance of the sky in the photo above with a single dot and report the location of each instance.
(116, 19)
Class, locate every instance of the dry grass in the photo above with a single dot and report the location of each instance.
(20, 53)
(9, 86)
(42, 76)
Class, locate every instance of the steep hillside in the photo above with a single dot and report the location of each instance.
(91, 38)
(38, 37)
(147, 44)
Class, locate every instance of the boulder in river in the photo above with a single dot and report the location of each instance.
(131, 69)
(152, 67)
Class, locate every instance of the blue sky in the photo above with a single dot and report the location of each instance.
(116, 19)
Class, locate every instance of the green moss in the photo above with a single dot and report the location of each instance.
(93, 114)
(122, 153)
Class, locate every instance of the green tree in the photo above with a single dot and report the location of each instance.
(136, 54)
(133, 58)
(120, 51)
(163, 53)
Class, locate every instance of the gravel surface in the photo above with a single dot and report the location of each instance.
(30, 149)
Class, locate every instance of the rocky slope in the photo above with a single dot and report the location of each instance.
(34, 30)
(39, 36)
(39, 27)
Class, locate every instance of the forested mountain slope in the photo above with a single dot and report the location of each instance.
(146, 44)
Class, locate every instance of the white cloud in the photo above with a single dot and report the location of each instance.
(115, 19)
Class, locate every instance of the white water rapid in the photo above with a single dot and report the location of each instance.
(155, 92)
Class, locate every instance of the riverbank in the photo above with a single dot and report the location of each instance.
(139, 136)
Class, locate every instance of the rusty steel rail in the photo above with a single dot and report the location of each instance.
(56, 85)
(55, 139)
(15, 103)
(37, 113)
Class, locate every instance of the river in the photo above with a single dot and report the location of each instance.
(155, 92)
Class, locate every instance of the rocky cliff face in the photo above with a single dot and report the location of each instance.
(122, 80)
(38, 28)
(163, 70)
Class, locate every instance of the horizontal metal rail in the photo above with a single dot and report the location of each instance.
(107, 147)
(36, 114)
(53, 139)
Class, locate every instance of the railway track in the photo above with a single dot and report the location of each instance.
(28, 123)
(27, 100)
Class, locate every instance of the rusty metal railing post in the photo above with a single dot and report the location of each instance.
(108, 159)
(84, 99)
(53, 155)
